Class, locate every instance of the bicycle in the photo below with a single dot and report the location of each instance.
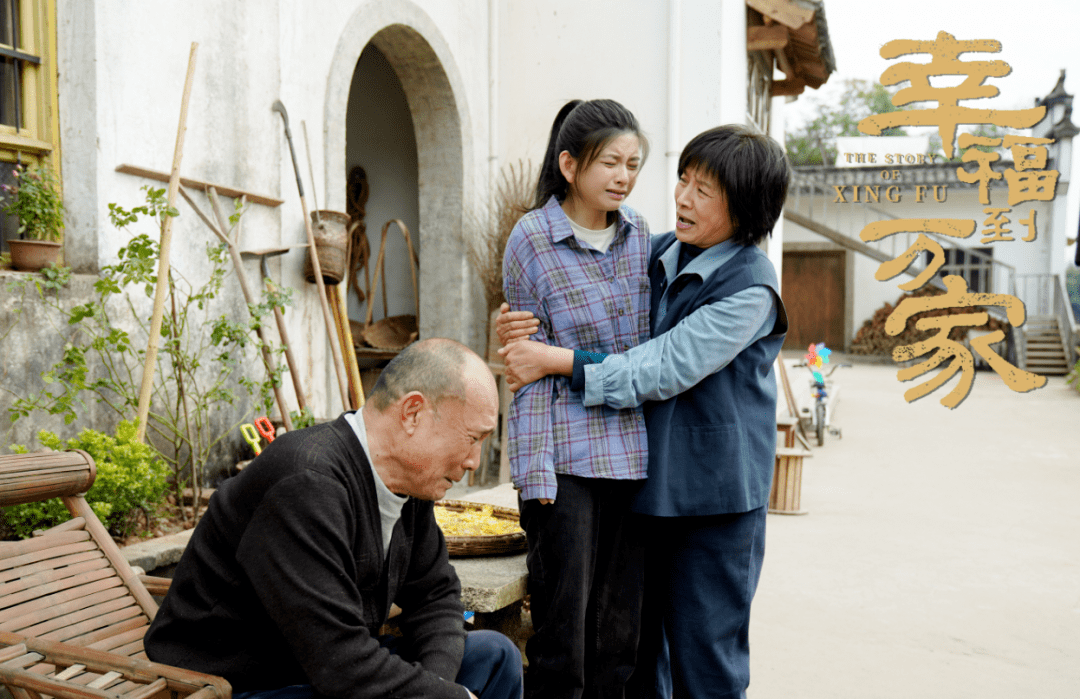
(820, 390)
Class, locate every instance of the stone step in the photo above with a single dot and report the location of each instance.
(1037, 364)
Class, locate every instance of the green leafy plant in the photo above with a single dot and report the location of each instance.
(1073, 377)
(302, 419)
(201, 357)
(130, 483)
(35, 198)
(814, 143)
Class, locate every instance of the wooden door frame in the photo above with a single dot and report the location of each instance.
(849, 278)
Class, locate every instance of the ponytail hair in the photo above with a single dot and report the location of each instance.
(582, 129)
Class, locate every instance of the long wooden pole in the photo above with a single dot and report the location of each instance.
(341, 319)
(328, 317)
(200, 185)
(294, 367)
(338, 305)
(149, 366)
(230, 244)
(192, 447)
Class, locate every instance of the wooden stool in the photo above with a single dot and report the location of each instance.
(786, 427)
(787, 482)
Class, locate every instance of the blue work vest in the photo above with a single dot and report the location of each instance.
(712, 448)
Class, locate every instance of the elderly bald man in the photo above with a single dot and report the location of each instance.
(293, 568)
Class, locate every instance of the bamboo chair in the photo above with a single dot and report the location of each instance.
(73, 613)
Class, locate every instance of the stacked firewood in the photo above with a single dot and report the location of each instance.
(873, 340)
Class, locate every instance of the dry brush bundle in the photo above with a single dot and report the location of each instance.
(872, 338)
(489, 223)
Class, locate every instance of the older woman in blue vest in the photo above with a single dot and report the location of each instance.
(707, 383)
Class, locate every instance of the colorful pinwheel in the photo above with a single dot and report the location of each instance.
(817, 356)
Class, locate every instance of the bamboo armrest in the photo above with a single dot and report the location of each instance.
(43, 475)
(155, 585)
(72, 582)
(64, 655)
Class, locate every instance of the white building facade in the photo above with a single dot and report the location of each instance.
(431, 97)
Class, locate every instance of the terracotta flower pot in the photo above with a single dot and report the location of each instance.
(33, 255)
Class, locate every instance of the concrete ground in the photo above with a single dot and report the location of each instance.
(941, 554)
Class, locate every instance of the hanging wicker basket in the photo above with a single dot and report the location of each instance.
(331, 232)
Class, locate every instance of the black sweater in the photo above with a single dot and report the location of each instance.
(284, 581)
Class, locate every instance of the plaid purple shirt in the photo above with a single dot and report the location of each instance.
(584, 300)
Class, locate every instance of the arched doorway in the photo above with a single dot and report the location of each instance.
(394, 49)
(380, 139)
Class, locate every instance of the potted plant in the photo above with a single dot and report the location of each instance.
(35, 199)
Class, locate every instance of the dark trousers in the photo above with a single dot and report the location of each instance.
(585, 583)
(490, 669)
(701, 576)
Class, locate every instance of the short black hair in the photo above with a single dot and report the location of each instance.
(435, 368)
(750, 168)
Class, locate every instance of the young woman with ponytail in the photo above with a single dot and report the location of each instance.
(579, 262)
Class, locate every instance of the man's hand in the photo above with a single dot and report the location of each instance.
(528, 361)
(516, 325)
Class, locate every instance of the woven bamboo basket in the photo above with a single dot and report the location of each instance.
(330, 230)
(493, 545)
(394, 332)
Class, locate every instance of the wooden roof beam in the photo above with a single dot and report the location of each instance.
(769, 38)
(784, 63)
(813, 70)
(791, 86)
(785, 12)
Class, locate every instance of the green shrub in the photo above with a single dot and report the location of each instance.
(130, 479)
(201, 356)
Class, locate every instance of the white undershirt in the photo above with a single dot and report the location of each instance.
(600, 239)
(390, 504)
